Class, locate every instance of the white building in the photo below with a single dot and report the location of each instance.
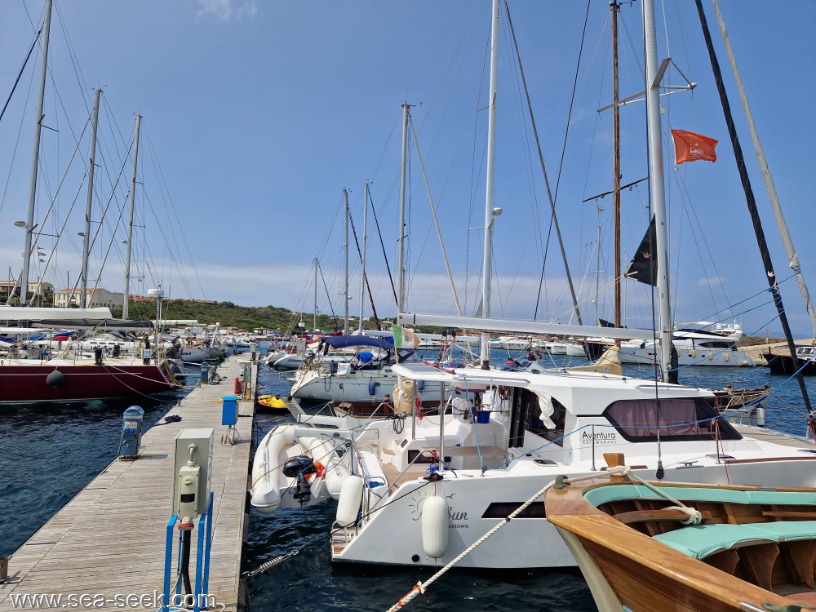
(63, 298)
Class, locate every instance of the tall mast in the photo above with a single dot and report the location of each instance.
(787, 242)
(345, 285)
(401, 236)
(750, 202)
(314, 320)
(657, 188)
(363, 257)
(130, 222)
(484, 355)
(615, 8)
(86, 243)
(29, 226)
(597, 270)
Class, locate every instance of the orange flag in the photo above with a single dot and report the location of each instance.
(689, 147)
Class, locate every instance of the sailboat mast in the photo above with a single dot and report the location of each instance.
(750, 201)
(782, 225)
(345, 284)
(401, 236)
(484, 356)
(615, 8)
(656, 184)
(363, 257)
(130, 222)
(314, 320)
(29, 226)
(597, 271)
(86, 243)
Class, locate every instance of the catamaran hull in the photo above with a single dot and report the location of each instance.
(524, 542)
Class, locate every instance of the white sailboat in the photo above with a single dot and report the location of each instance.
(435, 489)
(76, 378)
(369, 381)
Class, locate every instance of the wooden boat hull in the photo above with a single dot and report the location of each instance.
(622, 546)
(728, 398)
(21, 384)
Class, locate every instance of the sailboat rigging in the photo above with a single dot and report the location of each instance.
(29, 224)
(495, 443)
(750, 201)
(72, 375)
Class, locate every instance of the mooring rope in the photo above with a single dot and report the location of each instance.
(694, 518)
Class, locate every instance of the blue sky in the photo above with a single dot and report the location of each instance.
(256, 115)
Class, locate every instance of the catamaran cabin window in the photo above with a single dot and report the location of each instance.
(672, 419)
(540, 415)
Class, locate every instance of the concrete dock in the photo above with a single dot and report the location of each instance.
(106, 547)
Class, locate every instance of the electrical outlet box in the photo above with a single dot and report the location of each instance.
(202, 439)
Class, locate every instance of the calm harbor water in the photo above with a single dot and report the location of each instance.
(48, 453)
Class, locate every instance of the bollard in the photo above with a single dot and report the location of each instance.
(3, 569)
(205, 373)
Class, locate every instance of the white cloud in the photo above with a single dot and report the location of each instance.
(713, 281)
(227, 10)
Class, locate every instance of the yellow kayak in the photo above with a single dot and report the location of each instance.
(272, 401)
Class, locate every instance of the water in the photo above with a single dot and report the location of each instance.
(49, 453)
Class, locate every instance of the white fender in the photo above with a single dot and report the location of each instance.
(351, 497)
(435, 526)
(266, 469)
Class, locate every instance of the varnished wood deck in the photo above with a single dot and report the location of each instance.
(109, 540)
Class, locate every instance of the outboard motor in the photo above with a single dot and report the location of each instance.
(302, 491)
(299, 467)
(98, 355)
(117, 350)
(302, 464)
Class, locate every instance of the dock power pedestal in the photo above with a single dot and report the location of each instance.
(191, 512)
(131, 440)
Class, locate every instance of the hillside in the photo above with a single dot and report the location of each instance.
(227, 314)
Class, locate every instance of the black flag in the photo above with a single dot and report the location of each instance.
(643, 267)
